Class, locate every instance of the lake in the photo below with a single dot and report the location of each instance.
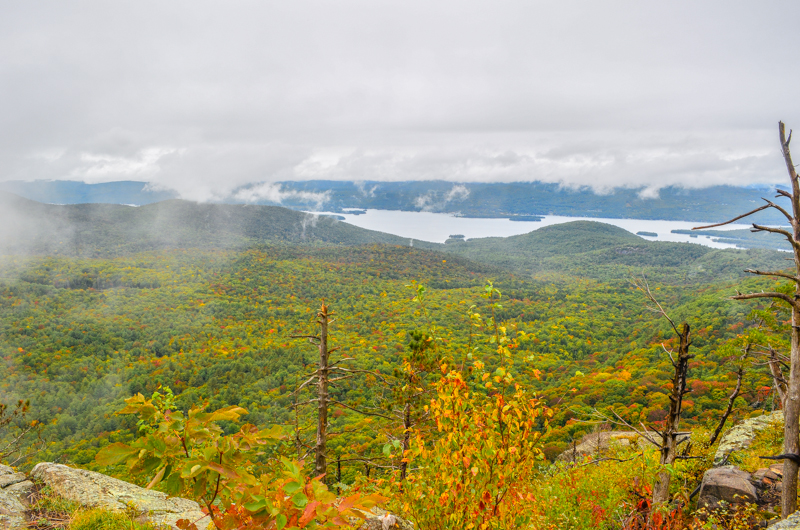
(437, 227)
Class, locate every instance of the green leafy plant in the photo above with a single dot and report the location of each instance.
(240, 478)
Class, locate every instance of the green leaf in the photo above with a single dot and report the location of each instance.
(280, 521)
(291, 487)
(115, 453)
(299, 499)
(256, 506)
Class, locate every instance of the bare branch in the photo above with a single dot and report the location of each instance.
(731, 399)
(671, 358)
(365, 413)
(607, 459)
(784, 212)
(311, 338)
(734, 219)
(621, 421)
(645, 288)
(774, 273)
(789, 237)
(308, 381)
(344, 377)
(344, 359)
(356, 371)
(770, 294)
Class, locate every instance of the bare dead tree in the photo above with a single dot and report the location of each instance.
(791, 446)
(326, 375)
(668, 446)
(322, 378)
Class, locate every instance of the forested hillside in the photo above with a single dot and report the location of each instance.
(81, 334)
(99, 230)
(204, 302)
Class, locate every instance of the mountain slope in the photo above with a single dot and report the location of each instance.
(598, 250)
(109, 229)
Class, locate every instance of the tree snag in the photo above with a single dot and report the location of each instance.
(791, 448)
(322, 378)
(668, 448)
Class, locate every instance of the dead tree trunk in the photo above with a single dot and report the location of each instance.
(791, 450)
(322, 378)
(669, 436)
(321, 447)
(668, 447)
(791, 413)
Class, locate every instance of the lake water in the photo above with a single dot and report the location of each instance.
(437, 227)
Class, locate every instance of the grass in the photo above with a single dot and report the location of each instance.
(49, 511)
(767, 442)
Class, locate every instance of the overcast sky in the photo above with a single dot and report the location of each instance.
(203, 97)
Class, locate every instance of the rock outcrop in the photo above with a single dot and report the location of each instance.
(14, 489)
(726, 484)
(741, 435)
(94, 490)
(597, 443)
(97, 490)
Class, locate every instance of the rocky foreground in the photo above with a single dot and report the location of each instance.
(95, 490)
(722, 484)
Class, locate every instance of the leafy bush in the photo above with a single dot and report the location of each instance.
(240, 478)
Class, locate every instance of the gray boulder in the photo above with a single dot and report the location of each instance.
(728, 484)
(98, 490)
(741, 435)
(14, 489)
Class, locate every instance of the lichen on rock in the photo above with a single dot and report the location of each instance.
(741, 435)
(97, 490)
(13, 489)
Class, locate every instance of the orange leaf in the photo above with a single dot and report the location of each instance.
(308, 514)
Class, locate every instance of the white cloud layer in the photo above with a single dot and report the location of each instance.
(206, 98)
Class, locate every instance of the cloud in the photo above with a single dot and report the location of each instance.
(273, 193)
(457, 193)
(432, 202)
(362, 189)
(101, 167)
(205, 101)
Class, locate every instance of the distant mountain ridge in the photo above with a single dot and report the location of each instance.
(95, 230)
(590, 248)
(512, 200)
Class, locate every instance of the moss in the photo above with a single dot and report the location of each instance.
(52, 512)
(104, 520)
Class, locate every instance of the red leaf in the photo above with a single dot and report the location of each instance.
(308, 514)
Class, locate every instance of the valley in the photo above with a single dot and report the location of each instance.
(100, 303)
